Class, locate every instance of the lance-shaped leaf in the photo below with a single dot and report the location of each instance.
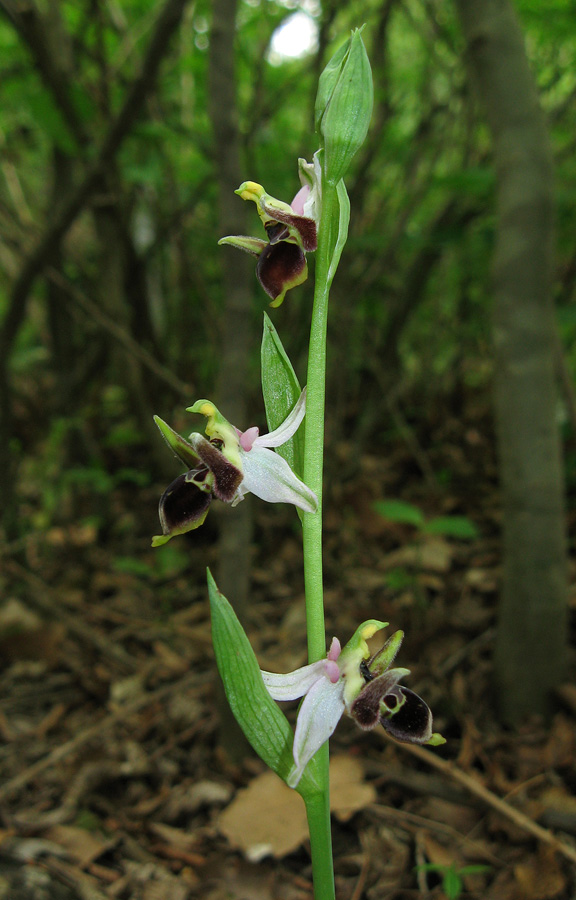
(261, 720)
(339, 240)
(281, 390)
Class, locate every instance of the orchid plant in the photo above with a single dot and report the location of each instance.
(285, 466)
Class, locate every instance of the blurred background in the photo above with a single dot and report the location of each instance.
(125, 127)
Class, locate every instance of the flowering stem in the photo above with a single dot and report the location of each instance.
(318, 806)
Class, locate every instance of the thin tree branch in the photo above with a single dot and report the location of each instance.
(93, 311)
(37, 32)
(167, 24)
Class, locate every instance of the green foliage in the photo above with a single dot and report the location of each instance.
(452, 526)
(281, 389)
(131, 565)
(400, 511)
(405, 513)
(170, 561)
(412, 296)
(452, 883)
(260, 718)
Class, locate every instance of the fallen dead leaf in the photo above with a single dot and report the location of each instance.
(432, 555)
(82, 846)
(541, 878)
(437, 853)
(176, 837)
(558, 799)
(349, 793)
(265, 819)
(249, 825)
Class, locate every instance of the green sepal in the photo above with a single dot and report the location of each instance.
(182, 449)
(265, 726)
(281, 390)
(253, 246)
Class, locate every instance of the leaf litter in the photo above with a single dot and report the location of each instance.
(113, 780)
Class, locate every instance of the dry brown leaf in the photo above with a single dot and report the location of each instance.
(432, 555)
(176, 837)
(366, 579)
(504, 887)
(437, 854)
(557, 798)
(266, 818)
(483, 580)
(461, 818)
(82, 846)
(540, 878)
(41, 646)
(269, 819)
(348, 791)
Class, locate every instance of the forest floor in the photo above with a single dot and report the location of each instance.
(115, 781)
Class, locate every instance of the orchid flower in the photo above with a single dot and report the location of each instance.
(291, 231)
(365, 687)
(230, 464)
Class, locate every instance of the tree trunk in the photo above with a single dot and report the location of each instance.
(532, 623)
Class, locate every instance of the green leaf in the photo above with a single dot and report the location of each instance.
(452, 526)
(259, 717)
(399, 579)
(131, 565)
(400, 511)
(281, 389)
(343, 221)
(452, 883)
(474, 870)
(49, 118)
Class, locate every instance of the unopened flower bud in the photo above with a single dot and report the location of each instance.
(344, 106)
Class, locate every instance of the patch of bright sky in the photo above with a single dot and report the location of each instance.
(298, 34)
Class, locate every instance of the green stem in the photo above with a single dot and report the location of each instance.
(318, 806)
(318, 812)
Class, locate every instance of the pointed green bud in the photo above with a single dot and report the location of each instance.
(344, 106)
(328, 81)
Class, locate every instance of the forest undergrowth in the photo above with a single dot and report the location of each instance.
(113, 778)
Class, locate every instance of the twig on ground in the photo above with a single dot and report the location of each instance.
(510, 812)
